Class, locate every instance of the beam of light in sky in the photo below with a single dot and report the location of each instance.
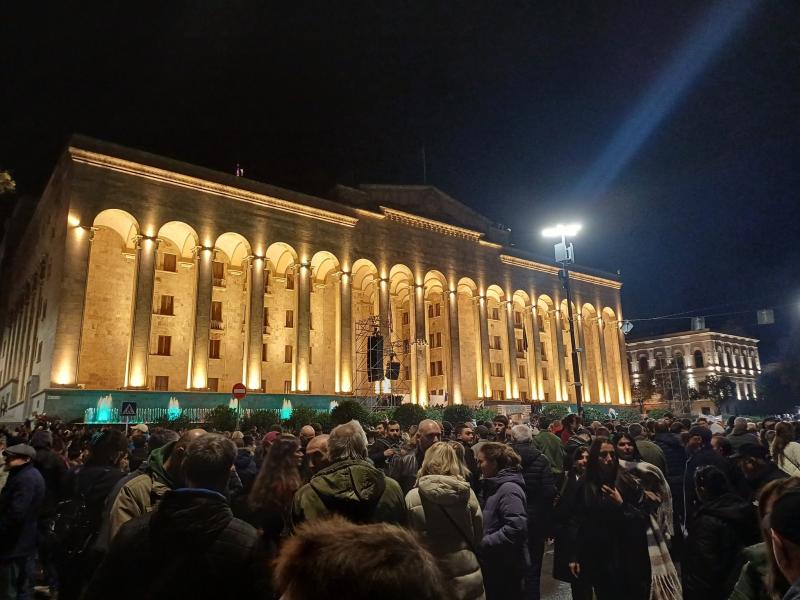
(695, 53)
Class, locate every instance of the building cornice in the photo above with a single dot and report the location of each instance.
(706, 335)
(553, 270)
(128, 167)
(430, 224)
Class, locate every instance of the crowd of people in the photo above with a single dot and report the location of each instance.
(664, 509)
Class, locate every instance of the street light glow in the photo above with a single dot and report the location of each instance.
(562, 230)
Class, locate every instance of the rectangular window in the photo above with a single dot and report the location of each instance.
(166, 306)
(406, 374)
(406, 346)
(164, 345)
(309, 354)
(287, 354)
(213, 348)
(39, 353)
(218, 273)
(433, 368)
(161, 383)
(170, 263)
(289, 318)
(216, 311)
(213, 384)
(544, 354)
(520, 346)
(405, 318)
(432, 340)
(287, 386)
(439, 340)
(263, 389)
(517, 319)
(498, 395)
(264, 354)
(522, 374)
(430, 311)
(496, 343)
(290, 281)
(547, 396)
(266, 282)
(496, 369)
(438, 311)
(523, 396)
(439, 369)
(265, 321)
(544, 373)
(495, 314)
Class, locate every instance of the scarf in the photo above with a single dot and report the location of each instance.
(664, 581)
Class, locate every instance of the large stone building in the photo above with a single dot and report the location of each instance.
(139, 273)
(699, 353)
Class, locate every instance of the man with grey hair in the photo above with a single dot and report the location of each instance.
(350, 486)
(540, 490)
(740, 435)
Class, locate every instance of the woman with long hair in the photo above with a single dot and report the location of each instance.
(503, 549)
(785, 451)
(268, 505)
(611, 512)
(565, 505)
(445, 510)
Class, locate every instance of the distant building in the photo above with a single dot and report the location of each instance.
(699, 353)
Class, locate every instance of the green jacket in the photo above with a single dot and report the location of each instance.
(353, 489)
(653, 454)
(550, 445)
(751, 584)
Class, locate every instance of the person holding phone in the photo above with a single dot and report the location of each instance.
(607, 532)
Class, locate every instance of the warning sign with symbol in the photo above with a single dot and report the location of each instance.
(128, 409)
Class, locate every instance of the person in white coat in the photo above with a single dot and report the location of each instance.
(785, 451)
(445, 510)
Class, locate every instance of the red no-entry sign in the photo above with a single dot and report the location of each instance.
(239, 391)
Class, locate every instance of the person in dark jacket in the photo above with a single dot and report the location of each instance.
(611, 513)
(20, 502)
(540, 491)
(403, 469)
(245, 463)
(564, 509)
(503, 549)
(191, 545)
(721, 527)
(754, 462)
(139, 452)
(87, 487)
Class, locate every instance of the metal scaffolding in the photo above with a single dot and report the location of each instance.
(387, 392)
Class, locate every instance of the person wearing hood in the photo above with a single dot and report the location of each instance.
(540, 491)
(720, 528)
(503, 551)
(350, 486)
(142, 490)
(190, 546)
(445, 510)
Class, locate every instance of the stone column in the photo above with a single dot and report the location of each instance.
(420, 353)
(536, 384)
(512, 383)
(204, 257)
(451, 314)
(139, 349)
(71, 303)
(586, 388)
(384, 308)
(302, 327)
(602, 376)
(255, 323)
(623, 367)
(482, 326)
(344, 335)
(562, 370)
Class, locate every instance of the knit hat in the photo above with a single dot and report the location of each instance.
(783, 518)
(703, 432)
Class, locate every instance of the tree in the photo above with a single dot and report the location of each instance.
(409, 414)
(458, 413)
(347, 411)
(260, 419)
(222, 418)
(719, 389)
(301, 415)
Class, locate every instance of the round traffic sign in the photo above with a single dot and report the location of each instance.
(239, 391)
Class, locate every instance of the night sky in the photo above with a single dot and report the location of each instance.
(515, 103)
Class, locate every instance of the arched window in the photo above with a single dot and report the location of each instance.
(698, 359)
(679, 362)
(643, 365)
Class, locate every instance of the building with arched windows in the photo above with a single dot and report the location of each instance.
(144, 278)
(698, 354)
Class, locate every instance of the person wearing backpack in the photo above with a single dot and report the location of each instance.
(78, 518)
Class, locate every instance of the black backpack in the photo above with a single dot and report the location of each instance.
(73, 527)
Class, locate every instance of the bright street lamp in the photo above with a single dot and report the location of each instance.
(565, 255)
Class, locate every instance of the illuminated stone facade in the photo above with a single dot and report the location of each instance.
(140, 272)
(700, 353)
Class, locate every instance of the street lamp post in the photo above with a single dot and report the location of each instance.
(565, 256)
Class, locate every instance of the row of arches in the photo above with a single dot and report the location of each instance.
(209, 309)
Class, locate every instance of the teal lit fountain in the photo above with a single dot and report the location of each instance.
(173, 409)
